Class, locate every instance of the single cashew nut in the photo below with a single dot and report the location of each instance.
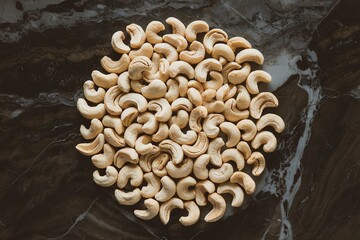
(238, 42)
(181, 119)
(153, 185)
(135, 100)
(213, 36)
(204, 67)
(200, 167)
(178, 41)
(232, 113)
(198, 148)
(117, 42)
(214, 151)
(138, 66)
(232, 154)
(118, 66)
(152, 209)
(173, 149)
(180, 170)
(128, 198)
(125, 155)
(167, 207)
(108, 179)
(244, 149)
(113, 122)
(223, 53)
(123, 82)
(271, 120)
(162, 133)
(159, 163)
(111, 100)
(95, 128)
(91, 148)
(193, 216)
(113, 138)
(90, 112)
(177, 26)
(211, 123)
(172, 90)
(105, 159)
(258, 160)
(131, 134)
(155, 89)
(262, 101)
(162, 108)
(143, 144)
(132, 173)
(178, 136)
(137, 35)
(235, 190)
(167, 191)
(195, 54)
(181, 67)
(254, 78)
(243, 98)
(250, 55)
(265, 138)
(232, 132)
(216, 81)
(95, 96)
(194, 96)
(201, 189)
(219, 207)
(196, 115)
(222, 174)
(238, 76)
(181, 103)
(194, 28)
(167, 50)
(244, 181)
(150, 124)
(152, 30)
(145, 50)
(249, 129)
(182, 188)
(128, 116)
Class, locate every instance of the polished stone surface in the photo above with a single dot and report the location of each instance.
(311, 189)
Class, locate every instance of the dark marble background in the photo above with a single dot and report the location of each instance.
(311, 189)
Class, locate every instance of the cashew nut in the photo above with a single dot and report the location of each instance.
(162, 109)
(243, 98)
(105, 159)
(249, 129)
(91, 148)
(152, 30)
(131, 134)
(181, 103)
(195, 54)
(214, 151)
(153, 185)
(155, 89)
(200, 166)
(244, 148)
(128, 198)
(108, 179)
(262, 101)
(181, 67)
(232, 154)
(180, 170)
(196, 115)
(215, 82)
(117, 42)
(178, 41)
(265, 138)
(222, 174)
(204, 67)
(90, 112)
(172, 90)
(219, 207)
(182, 188)
(194, 28)
(125, 155)
(150, 124)
(244, 181)
(232, 113)
(238, 42)
(254, 78)
(95, 128)
(113, 138)
(167, 191)
(201, 189)
(104, 80)
(177, 26)
(132, 173)
(95, 96)
(193, 216)
(152, 209)
(198, 148)
(167, 207)
(258, 160)
(133, 100)
(111, 100)
(212, 37)
(181, 119)
(143, 144)
(195, 97)
(123, 82)
(167, 50)
(235, 190)
(238, 76)
(118, 66)
(138, 66)
(223, 53)
(113, 122)
(173, 149)
(159, 163)
(162, 133)
(232, 132)
(128, 116)
(271, 120)
(137, 35)
(145, 50)
(178, 136)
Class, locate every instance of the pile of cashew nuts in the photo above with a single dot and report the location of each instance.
(178, 120)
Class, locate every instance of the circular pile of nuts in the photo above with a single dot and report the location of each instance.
(160, 115)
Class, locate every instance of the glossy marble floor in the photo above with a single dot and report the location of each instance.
(311, 189)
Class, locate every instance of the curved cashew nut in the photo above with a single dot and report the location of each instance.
(113, 138)
(249, 129)
(223, 53)
(200, 167)
(254, 78)
(95, 96)
(258, 160)
(118, 66)
(244, 149)
(125, 155)
(137, 35)
(226, 92)
(152, 30)
(117, 42)
(183, 85)
(201, 188)
(219, 207)
(213, 36)
(145, 50)
(222, 174)
(90, 112)
(162, 133)
(173, 149)
(210, 125)
(208, 95)
(181, 119)
(196, 115)
(181, 67)
(232, 113)
(128, 198)
(131, 134)
(265, 138)
(232, 132)
(195, 96)
(146, 160)
(172, 90)
(167, 191)
(238, 42)
(108, 179)
(151, 125)
(152, 209)
(104, 80)
(180, 170)
(272, 120)
(243, 98)
(238, 76)
(193, 216)
(178, 136)
(167, 50)
(159, 163)
(143, 144)
(113, 122)
(216, 81)
(111, 100)
(128, 116)
(215, 106)
(228, 68)
(177, 26)
(123, 82)
(153, 185)
(167, 207)
(195, 54)
(250, 55)
(214, 151)
(181, 103)
(130, 172)
(194, 28)
(198, 148)
(95, 128)
(155, 89)
(232, 154)
(138, 66)
(204, 67)
(262, 101)
(244, 181)
(91, 148)
(136, 86)
(182, 188)
(133, 99)
(105, 159)
(197, 85)
(162, 108)
(178, 41)
(235, 190)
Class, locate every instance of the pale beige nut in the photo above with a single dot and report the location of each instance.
(162, 133)
(177, 26)
(153, 185)
(239, 76)
(92, 95)
(206, 66)
(162, 108)
(123, 82)
(118, 66)
(90, 112)
(254, 78)
(155, 89)
(150, 124)
(250, 55)
(126, 155)
(233, 189)
(167, 50)
(271, 120)
(113, 122)
(159, 69)
(172, 91)
(228, 68)
(183, 188)
(200, 166)
(130, 173)
(167, 191)
(181, 67)
(137, 35)
(265, 138)
(138, 66)
(194, 28)
(180, 170)
(152, 210)
(102, 160)
(145, 50)
(178, 136)
(233, 154)
(208, 94)
(244, 148)
(183, 85)
(128, 116)
(195, 96)
(243, 98)
(94, 129)
(203, 188)
(152, 32)
(159, 163)
(181, 103)
(176, 40)
(244, 180)
(249, 129)
(193, 216)
(113, 138)
(117, 42)
(213, 36)
(232, 113)
(136, 86)
(145, 161)
(92, 148)
(223, 53)
(215, 106)
(174, 149)
(211, 123)
(196, 117)
(197, 85)
(198, 148)
(108, 179)
(131, 133)
(143, 144)
(195, 54)
(222, 174)
(128, 198)
(258, 162)
(111, 100)
(226, 92)
(232, 133)
(181, 119)
(260, 102)
(104, 80)
(238, 42)
(133, 100)
(215, 82)
(219, 207)
(167, 207)
(214, 151)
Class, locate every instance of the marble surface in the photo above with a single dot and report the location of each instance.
(311, 188)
